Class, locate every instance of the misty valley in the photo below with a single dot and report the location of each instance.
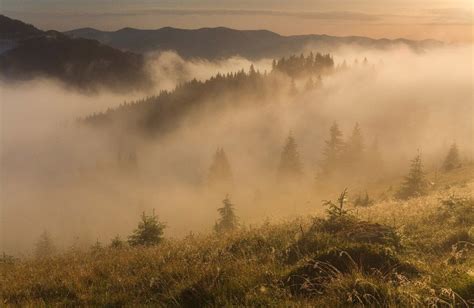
(220, 167)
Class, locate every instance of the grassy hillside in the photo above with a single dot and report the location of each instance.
(413, 253)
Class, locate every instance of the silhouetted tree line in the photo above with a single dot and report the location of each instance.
(351, 156)
(163, 112)
(298, 66)
(337, 153)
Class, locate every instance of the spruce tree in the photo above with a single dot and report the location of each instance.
(220, 172)
(332, 150)
(290, 165)
(415, 183)
(228, 221)
(356, 142)
(354, 149)
(44, 247)
(149, 231)
(452, 160)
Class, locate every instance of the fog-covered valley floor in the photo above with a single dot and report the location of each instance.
(76, 180)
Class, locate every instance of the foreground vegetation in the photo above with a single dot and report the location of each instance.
(393, 253)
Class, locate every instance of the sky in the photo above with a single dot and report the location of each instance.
(446, 20)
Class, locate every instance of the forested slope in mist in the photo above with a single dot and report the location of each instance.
(82, 64)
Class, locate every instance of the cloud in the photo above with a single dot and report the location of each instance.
(321, 15)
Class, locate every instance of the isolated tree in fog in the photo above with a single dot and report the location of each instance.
(356, 143)
(332, 150)
(452, 160)
(290, 165)
(44, 247)
(354, 148)
(415, 183)
(149, 231)
(228, 221)
(220, 171)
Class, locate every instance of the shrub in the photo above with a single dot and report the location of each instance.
(457, 210)
(337, 210)
(453, 238)
(312, 276)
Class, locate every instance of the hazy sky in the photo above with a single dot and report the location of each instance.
(448, 20)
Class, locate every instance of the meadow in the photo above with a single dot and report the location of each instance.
(390, 253)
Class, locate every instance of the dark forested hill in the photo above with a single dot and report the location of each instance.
(213, 43)
(80, 63)
(165, 112)
(15, 29)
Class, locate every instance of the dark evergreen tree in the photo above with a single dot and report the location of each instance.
(353, 152)
(452, 160)
(44, 247)
(415, 183)
(333, 150)
(290, 165)
(149, 231)
(252, 71)
(220, 172)
(228, 221)
(355, 145)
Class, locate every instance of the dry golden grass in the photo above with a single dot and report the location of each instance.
(432, 266)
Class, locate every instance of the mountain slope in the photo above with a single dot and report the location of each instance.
(214, 43)
(79, 63)
(15, 29)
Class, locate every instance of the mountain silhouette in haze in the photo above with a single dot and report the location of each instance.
(11, 29)
(28, 53)
(218, 43)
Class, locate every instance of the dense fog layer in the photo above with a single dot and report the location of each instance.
(65, 177)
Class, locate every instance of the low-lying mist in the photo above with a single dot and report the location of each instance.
(74, 181)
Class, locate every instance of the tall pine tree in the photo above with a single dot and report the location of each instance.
(415, 183)
(290, 165)
(332, 151)
(452, 160)
(44, 247)
(228, 221)
(220, 172)
(356, 143)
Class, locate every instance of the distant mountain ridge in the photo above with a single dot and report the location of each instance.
(11, 29)
(221, 42)
(85, 64)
